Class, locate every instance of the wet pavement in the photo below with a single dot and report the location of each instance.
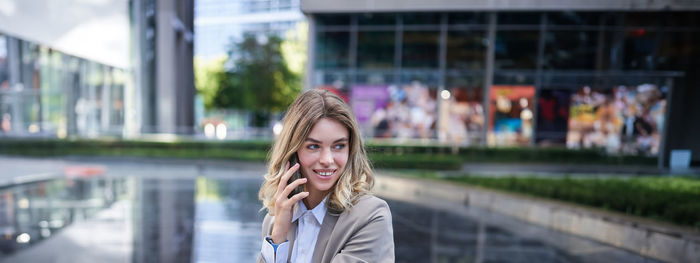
(170, 211)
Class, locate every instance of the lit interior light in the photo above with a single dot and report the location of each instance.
(57, 223)
(45, 232)
(23, 203)
(209, 130)
(33, 128)
(277, 129)
(445, 94)
(23, 238)
(221, 131)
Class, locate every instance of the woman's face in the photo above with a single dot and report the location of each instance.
(323, 155)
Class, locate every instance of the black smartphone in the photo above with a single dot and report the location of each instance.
(292, 161)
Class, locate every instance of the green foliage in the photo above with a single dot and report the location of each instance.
(210, 77)
(259, 79)
(294, 48)
(672, 199)
(382, 155)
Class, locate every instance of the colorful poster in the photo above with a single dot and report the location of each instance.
(462, 116)
(405, 112)
(366, 99)
(623, 119)
(511, 115)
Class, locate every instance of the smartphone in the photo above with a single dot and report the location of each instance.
(292, 161)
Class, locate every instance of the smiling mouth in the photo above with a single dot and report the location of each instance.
(325, 172)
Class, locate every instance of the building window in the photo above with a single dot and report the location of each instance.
(375, 49)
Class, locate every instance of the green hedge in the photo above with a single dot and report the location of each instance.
(438, 157)
(672, 199)
(239, 150)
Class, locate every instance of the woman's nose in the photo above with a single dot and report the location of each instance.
(326, 157)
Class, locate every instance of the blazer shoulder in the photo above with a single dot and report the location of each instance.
(368, 205)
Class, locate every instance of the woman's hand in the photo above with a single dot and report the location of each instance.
(284, 205)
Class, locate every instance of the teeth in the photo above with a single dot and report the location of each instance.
(325, 173)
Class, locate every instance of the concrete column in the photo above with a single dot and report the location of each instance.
(165, 67)
(488, 75)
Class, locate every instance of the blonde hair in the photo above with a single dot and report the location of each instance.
(355, 180)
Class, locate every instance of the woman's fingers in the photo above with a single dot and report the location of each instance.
(285, 177)
(297, 197)
(289, 188)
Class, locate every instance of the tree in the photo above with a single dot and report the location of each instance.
(259, 78)
(210, 77)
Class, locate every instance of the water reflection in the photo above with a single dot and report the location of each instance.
(219, 220)
(30, 213)
(427, 235)
(228, 220)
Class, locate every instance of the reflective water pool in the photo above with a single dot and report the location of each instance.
(130, 219)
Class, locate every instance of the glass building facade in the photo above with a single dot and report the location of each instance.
(219, 23)
(580, 79)
(47, 93)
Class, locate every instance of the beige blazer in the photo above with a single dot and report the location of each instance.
(362, 233)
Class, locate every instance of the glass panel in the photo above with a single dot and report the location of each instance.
(332, 19)
(519, 18)
(516, 49)
(375, 77)
(643, 19)
(421, 19)
(552, 116)
(52, 96)
(332, 49)
(570, 50)
(428, 77)
(573, 18)
(332, 77)
(4, 70)
(640, 45)
(466, 49)
(117, 97)
(467, 18)
(678, 50)
(514, 77)
(681, 19)
(375, 49)
(376, 19)
(420, 49)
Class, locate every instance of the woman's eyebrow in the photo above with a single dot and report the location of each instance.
(344, 139)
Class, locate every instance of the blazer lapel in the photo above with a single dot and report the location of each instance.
(291, 235)
(323, 235)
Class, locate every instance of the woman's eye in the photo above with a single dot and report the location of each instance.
(312, 146)
(339, 146)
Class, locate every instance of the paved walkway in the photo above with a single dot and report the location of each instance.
(18, 169)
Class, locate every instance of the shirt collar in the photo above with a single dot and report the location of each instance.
(319, 211)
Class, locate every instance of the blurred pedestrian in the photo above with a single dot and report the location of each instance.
(334, 218)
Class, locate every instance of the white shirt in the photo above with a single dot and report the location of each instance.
(306, 235)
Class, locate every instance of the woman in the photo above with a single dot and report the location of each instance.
(334, 218)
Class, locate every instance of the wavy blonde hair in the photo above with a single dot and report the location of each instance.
(355, 180)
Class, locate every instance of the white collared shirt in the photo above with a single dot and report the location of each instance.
(305, 239)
